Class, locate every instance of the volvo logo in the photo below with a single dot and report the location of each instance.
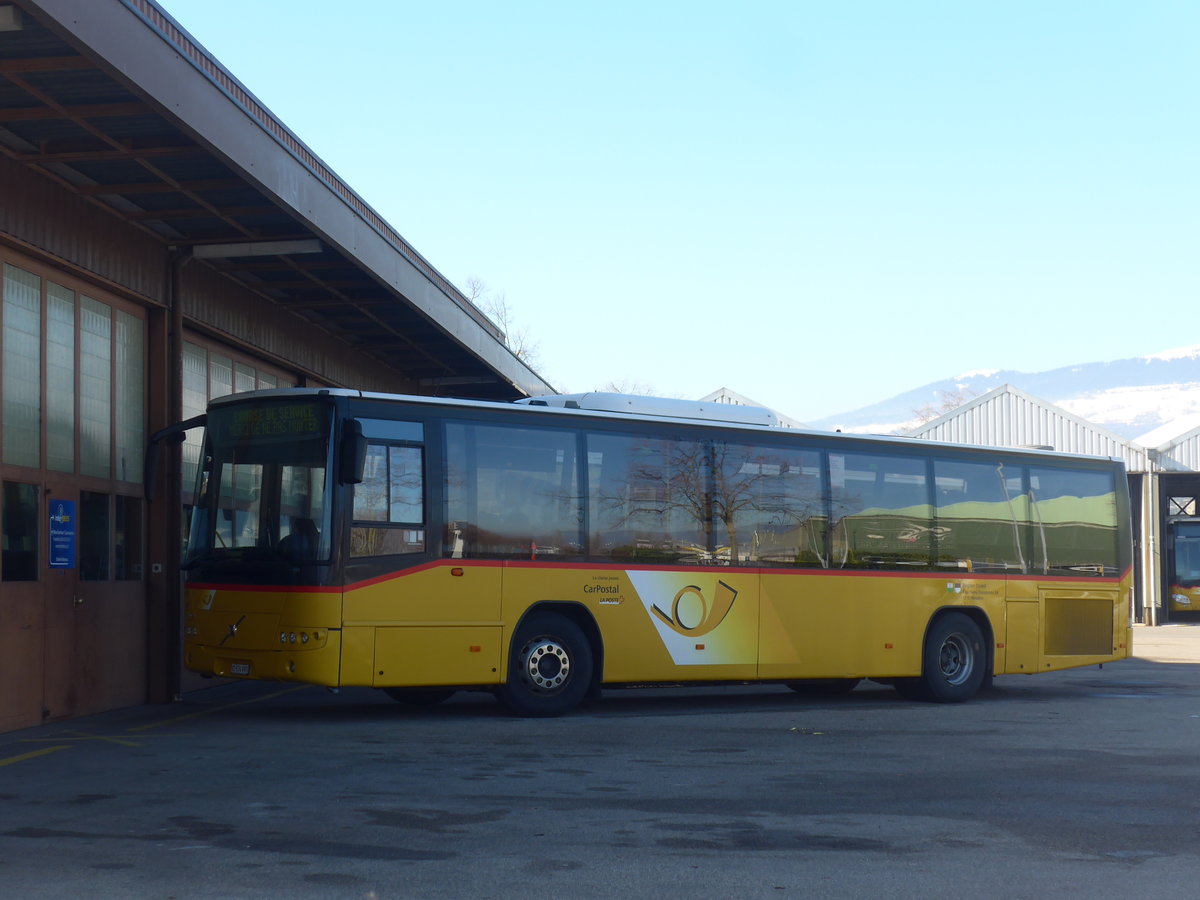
(232, 631)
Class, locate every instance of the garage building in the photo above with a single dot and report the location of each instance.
(164, 239)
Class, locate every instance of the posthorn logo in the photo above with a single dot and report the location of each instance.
(691, 613)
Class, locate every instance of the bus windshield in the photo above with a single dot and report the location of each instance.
(1187, 555)
(263, 490)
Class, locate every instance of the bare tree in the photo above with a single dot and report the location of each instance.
(495, 306)
(946, 402)
(629, 386)
(677, 495)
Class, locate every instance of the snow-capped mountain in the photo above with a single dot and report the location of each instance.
(1150, 399)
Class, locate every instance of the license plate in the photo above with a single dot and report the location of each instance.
(239, 668)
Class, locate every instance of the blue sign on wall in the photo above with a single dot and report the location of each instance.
(62, 534)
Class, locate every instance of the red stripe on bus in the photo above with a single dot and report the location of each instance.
(624, 567)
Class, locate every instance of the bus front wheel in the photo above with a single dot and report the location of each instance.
(549, 668)
(953, 662)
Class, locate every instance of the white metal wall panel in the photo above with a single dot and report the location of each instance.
(1006, 417)
(1182, 454)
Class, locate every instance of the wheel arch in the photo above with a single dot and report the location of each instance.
(980, 618)
(575, 612)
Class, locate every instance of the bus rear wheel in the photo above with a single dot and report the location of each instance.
(953, 662)
(549, 668)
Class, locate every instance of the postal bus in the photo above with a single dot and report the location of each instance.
(547, 548)
(1183, 568)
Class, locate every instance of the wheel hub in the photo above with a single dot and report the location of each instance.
(547, 665)
(956, 659)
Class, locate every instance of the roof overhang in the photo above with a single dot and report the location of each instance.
(115, 101)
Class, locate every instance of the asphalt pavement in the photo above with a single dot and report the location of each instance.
(1075, 784)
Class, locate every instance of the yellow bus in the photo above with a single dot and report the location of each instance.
(1183, 567)
(548, 548)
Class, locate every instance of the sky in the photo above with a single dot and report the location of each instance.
(817, 205)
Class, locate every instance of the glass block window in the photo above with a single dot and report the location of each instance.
(73, 380)
(95, 387)
(60, 378)
(130, 396)
(220, 376)
(22, 311)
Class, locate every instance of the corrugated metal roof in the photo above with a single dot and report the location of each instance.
(1008, 417)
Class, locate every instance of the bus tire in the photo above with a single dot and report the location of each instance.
(954, 661)
(549, 668)
(419, 696)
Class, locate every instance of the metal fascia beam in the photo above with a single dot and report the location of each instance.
(256, 248)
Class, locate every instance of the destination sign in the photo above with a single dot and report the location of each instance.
(266, 420)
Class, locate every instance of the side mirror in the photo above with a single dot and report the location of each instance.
(352, 453)
(173, 434)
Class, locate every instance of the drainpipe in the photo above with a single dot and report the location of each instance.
(172, 496)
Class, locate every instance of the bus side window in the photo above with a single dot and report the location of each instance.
(511, 493)
(389, 502)
(1075, 520)
(977, 525)
(882, 517)
(650, 500)
(768, 505)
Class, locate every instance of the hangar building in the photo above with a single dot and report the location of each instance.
(1164, 487)
(164, 239)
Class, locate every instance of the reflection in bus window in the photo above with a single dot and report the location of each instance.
(392, 493)
(768, 506)
(649, 499)
(881, 512)
(238, 505)
(977, 523)
(1075, 520)
(511, 492)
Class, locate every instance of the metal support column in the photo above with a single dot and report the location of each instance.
(1151, 555)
